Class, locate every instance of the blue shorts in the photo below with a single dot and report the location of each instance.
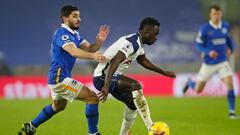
(99, 81)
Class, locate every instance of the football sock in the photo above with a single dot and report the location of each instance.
(129, 117)
(231, 101)
(191, 84)
(142, 107)
(46, 113)
(91, 111)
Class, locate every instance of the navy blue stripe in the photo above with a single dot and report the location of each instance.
(133, 40)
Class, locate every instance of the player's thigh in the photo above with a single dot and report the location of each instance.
(226, 74)
(87, 95)
(128, 84)
(59, 105)
(206, 72)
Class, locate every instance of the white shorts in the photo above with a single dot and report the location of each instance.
(206, 71)
(68, 89)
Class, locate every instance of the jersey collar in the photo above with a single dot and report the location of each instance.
(219, 26)
(68, 28)
(140, 37)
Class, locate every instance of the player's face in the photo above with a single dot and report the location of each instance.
(215, 15)
(151, 34)
(74, 20)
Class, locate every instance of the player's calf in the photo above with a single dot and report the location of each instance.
(142, 107)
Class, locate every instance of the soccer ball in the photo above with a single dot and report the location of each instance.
(159, 128)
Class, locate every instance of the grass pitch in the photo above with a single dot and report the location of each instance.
(185, 116)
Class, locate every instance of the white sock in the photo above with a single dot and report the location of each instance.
(93, 133)
(128, 119)
(142, 107)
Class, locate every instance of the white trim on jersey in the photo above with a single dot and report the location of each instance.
(69, 29)
(219, 26)
(69, 44)
(84, 40)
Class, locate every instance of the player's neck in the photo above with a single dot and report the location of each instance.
(217, 22)
(140, 36)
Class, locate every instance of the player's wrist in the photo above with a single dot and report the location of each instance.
(99, 40)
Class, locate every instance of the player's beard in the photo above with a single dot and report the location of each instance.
(71, 25)
(148, 42)
(74, 28)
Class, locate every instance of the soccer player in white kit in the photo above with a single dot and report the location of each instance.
(109, 78)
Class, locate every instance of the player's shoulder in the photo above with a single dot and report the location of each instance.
(132, 38)
(225, 24)
(61, 31)
(205, 26)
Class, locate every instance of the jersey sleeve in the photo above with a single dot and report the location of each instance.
(81, 39)
(64, 39)
(142, 52)
(127, 49)
(201, 40)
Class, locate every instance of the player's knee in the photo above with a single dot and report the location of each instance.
(130, 114)
(59, 108)
(198, 91)
(136, 86)
(93, 99)
(131, 105)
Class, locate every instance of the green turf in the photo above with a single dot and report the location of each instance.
(185, 116)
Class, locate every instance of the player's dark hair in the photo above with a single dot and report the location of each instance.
(67, 10)
(216, 7)
(149, 21)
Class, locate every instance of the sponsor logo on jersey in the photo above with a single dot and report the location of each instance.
(219, 41)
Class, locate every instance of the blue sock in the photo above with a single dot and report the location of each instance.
(231, 100)
(46, 113)
(92, 117)
(191, 84)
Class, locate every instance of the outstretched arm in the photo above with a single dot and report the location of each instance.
(146, 63)
(100, 38)
(81, 54)
(120, 57)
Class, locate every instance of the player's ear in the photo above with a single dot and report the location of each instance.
(64, 19)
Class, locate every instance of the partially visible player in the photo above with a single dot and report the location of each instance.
(109, 78)
(67, 45)
(216, 46)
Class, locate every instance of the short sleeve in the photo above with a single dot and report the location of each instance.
(141, 52)
(127, 49)
(200, 37)
(64, 39)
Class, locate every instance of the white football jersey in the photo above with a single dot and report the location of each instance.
(130, 45)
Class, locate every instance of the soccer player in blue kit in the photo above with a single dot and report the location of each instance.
(216, 46)
(67, 45)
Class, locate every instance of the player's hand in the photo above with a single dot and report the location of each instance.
(213, 54)
(97, 56)
(103, 33)
(102, 96)
(170, 74)
(229, 53)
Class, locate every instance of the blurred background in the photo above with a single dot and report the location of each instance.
(27, 27)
